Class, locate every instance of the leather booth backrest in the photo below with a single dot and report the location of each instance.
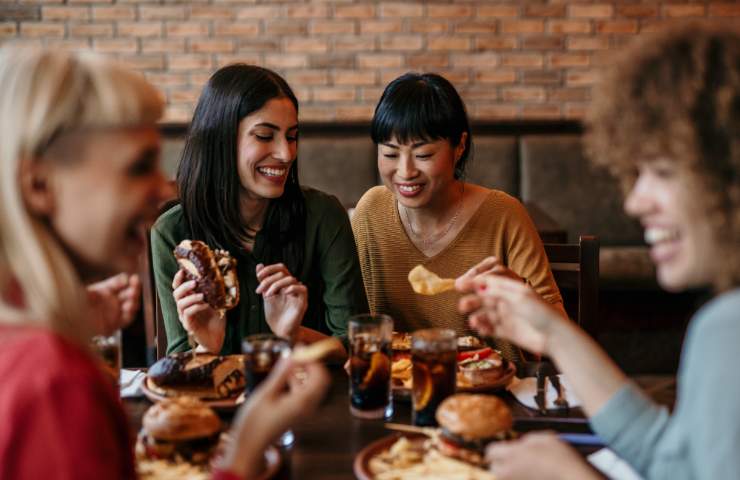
(557, 177)
(494, 163)
(548, 170)
(343, 165)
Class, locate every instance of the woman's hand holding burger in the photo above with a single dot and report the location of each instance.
(285, 299)
(206, 324)
(277, 404)
(509, 309)
(540, 456)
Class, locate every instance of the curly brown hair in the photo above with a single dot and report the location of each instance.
(676, 95)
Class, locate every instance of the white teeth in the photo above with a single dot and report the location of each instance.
(657, 235)
(409, 188)
(272, 172)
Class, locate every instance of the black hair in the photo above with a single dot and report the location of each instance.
(207, 176)
(422, 107)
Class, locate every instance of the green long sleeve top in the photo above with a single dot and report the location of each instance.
(700, 439)
(331, 272)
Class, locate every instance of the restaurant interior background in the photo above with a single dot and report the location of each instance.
(525, 69)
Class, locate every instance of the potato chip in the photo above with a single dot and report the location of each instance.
(425, 282)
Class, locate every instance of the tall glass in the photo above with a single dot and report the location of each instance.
(261, 353)
(434, 371)
(108, 349)
(370, 339)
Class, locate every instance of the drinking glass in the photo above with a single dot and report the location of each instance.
(370, 338)
(261, 353)
(434, 372)
(108, 349)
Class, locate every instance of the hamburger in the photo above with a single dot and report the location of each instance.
(482, 367)
(179, 429)
(469, 422)
(214, 273)
(202, 375)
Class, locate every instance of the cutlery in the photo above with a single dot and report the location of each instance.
(401, 427)
(560, 401)
(582, 439)
(539, 397)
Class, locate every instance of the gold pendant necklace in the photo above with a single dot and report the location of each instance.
(434, 237)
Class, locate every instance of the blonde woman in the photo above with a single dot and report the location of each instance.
(668, 123)
(79, 183)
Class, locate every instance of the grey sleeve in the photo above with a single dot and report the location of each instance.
(632, 425)
(700, 439)
(710, 397)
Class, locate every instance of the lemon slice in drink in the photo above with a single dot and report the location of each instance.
(379, 365)
(422, 386)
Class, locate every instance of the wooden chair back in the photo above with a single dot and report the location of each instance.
(156, 336)
(576, 271)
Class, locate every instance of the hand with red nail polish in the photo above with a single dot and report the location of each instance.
(508, 308)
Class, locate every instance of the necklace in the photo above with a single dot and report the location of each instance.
(431, 239)
(250, 233)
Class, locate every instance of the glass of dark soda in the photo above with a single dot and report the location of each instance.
(434, 372)
(370, 339)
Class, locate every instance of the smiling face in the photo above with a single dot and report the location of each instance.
(680, 236)
(268, 143)
(100, 204)
(418, 172)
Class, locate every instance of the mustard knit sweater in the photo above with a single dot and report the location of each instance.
(500, 227)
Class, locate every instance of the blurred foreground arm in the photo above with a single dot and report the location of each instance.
(114, 302)
(277, 404)
(511, 310)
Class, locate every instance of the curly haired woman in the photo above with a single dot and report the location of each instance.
(667, 122)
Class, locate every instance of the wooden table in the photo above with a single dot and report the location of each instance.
(328, 440)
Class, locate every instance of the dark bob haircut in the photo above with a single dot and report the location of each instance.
(422, 107)
(207, 177)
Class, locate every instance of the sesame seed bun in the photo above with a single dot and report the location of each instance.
(181, 418)
(474, 417)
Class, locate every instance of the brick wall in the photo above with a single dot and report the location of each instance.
(527, 59)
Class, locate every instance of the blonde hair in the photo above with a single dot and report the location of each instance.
(45, 94)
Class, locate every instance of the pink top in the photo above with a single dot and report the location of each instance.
(61, 418)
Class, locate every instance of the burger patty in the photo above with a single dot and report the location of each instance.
(478, 444)
(195, 450)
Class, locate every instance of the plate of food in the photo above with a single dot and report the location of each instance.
(401, 342)
(468, 422)
(180, 438)
(478, 370)
(217, 380)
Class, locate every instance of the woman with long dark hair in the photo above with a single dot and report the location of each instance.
(427, 213)
(239, 191)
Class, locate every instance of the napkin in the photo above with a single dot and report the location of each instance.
(130, 383)
(524, 389)
(608, 463)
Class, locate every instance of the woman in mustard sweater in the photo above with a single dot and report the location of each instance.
(426, 213)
